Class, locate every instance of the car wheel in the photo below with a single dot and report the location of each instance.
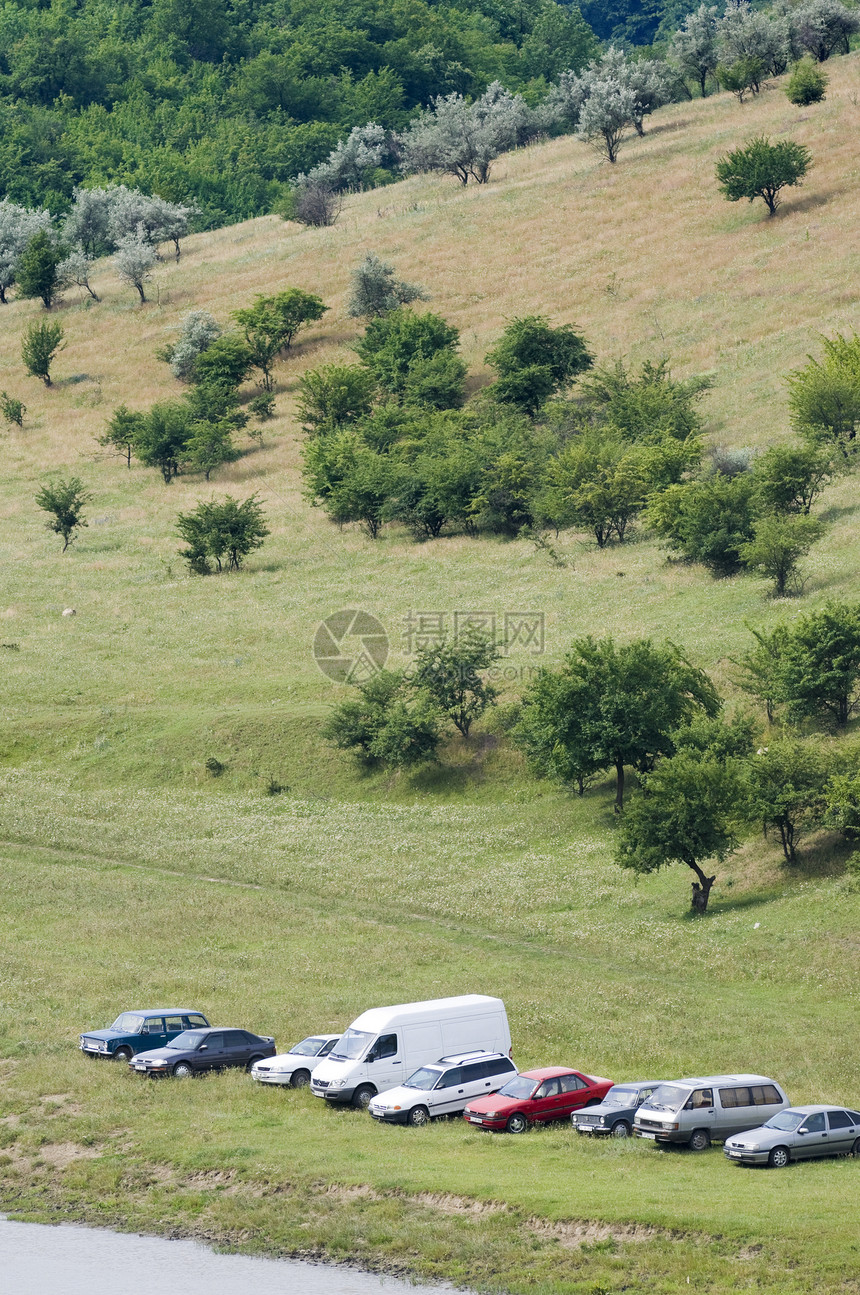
(621, 1129)
(700, 1140)
(419, 1115)
(300, 1079)
(252, 1063)
(855, 1150)
(517, 1123)
(778, 1158)
(363, 1096)
(183, 1070)
(122, 1054)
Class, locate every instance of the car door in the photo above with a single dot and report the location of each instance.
(812, 1138)
(210, 1054)
(152, 1034)
(840, 1132)
(475, 1082)
(548, 1101)
(575, 1092)
(173, 1025)
(699, 1110)
(496, 1074)
(237, 1048)
(447, 1092)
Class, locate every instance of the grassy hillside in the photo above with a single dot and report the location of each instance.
(132, 874)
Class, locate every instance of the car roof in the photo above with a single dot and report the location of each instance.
(811, 1110)
(163, 1011)
(550, 1072)
(697, 1080)
(479, 1054)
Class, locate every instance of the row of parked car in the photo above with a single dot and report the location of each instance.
(408, 1064)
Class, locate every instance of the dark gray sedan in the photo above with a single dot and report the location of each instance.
(614, 1115)
(196, 1051)
(798, 1133)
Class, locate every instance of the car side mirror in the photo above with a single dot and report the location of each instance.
(204, 1047)
(802, 1132)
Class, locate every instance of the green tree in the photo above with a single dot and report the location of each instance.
(842, 803)
(708, 520)
(389, 722)
(824, 396)
(820, 663)
(162, 435)
(595, 484)
(64, 499)
(533, 361)
(122, 432)
(777, 545)
(807, 83)
(208, 446)
(413, 358)
(226, 363)
(451, 673)
(349, 479)
(787, 785)
(760, 669)
(334, 396)
(617, 705)
(39, 345)
(742, 77)
(789, 478)
(763, 170)
(270, 324)
(691, 812)
(12, 409)
(222, 532)
(37, 269)
(651, 406)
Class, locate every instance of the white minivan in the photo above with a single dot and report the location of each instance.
(383, 1046)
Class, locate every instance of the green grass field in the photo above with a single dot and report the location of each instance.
(131, 876)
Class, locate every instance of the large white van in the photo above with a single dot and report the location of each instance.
(383, 1047)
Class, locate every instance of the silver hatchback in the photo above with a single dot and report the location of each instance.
(798, 1133)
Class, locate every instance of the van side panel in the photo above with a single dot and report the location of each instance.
(422, 1041)
(487, 1031)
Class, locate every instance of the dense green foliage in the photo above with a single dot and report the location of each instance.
(762, 170)
(222, 532)
(64, 501)
(222, 103)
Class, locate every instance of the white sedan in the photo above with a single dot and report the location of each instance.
(294, 1067)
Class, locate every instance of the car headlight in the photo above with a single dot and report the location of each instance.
(490, 1115)
(337, 1083)
(603, 1119)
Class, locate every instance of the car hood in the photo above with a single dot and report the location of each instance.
(104, 1035)
(494, 1102)
(762, 1137)
(291, 1061)
(400, 1096)
(329, 1070)
(608, 1108)
(161, 1054)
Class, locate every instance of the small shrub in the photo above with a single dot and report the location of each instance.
(38, 348)
(762, 170)
(317, 204)
(807, 84)
(215, 767)
(262, 406)
(64, 500)
(13, 410)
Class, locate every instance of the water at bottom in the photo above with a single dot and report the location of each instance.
(41, 1259)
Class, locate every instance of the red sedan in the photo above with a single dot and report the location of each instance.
(534, 1097)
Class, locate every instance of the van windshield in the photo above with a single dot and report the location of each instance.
(668, 1097)
(352, 1045)
(786, 1121)
(424, 1078)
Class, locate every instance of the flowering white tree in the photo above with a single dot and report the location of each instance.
(464, 139)
(376, 292)
(747, 35)
(821, 27)
(694, 46)
(134, 259)
(75, 270)
(199, 331)
(606, 115)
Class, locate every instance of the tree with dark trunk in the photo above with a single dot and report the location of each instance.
(610, 707)
(693, 806)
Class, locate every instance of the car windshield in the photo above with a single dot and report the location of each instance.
(352, 1045)
(128, 1023)
(308, 1047)
(786, 1121)
(621, 1097)
(425, 1078)
(518, 1087)
(668, 1097)
(187, 1040)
